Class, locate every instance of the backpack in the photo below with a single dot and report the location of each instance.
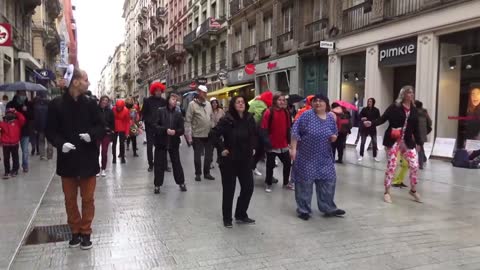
(461, 159)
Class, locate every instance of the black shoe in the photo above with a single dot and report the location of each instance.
(123, 161)
(274, 180)
(198, 178)
(135, 155)
(209, 177)
(304, 216)
(119, 156)
(402, 185)
(168, 169)
(183, 188)
(114, 161)
(245, 220)
(150, 168)
(227, 224)
(336, 213)
(25, 170)
(14, 174)
(86, 243)
(339, 161)
(76, 240)
(156, 190)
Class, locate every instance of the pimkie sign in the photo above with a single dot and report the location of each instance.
(398, 53)
(5, 35)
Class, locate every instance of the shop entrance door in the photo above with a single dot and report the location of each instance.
(403, 75)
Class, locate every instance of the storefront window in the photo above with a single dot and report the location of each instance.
(264, 83)
(283, 82)
(353, 82)
(458, 105)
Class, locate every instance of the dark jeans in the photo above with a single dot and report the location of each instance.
(103, 144)
(161, 165)
(474, 154)
(259, 152)
(339, 145)
(10, 150)
(373, 135)
(150, 143)
(287, 164)
(122, 144)
(230, 171)
(133, 140)
(422, 158)
(202, 145)
(325, 190)
(34, 142)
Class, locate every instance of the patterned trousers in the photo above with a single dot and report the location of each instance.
(410, 155)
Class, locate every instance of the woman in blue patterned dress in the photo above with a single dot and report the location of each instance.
(312, 135)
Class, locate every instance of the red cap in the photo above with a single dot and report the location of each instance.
(267, 97)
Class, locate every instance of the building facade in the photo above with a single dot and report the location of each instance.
(105, 83)
(432, 45)
(16, 61)
(119, 70)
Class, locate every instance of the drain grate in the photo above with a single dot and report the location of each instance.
(49, 234)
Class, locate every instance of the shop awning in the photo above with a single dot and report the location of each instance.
(226, 90)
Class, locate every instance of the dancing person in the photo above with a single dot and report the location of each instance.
(149, 112)
(277, 138)
(311, 149)
(344, 125)
(169, 127)
(122, 130)
(73, 127)
(402, 135)
(198, 124)
(108, 119)
(238, 131)
(369, 113)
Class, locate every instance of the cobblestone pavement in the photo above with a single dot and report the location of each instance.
(135, 229)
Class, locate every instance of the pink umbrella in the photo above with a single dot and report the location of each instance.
(347, 105)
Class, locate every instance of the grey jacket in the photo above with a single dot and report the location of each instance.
(198, 119)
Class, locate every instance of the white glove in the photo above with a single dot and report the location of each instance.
(67, 147)
(85, 137)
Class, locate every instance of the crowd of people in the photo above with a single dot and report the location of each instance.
(243, 133)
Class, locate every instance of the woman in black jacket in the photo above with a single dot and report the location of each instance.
(402, 135)
(238, 130)
(169, 127)
(106, 114)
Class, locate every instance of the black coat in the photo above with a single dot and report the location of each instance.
(150, 109)
(372, 114)
(27, 129)
(239, 137)
(106, 114)
(168, 119)
(40, 109)
(395, 115)
(67, 119)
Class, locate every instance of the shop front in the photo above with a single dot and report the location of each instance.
(278, 75)
(315, 75)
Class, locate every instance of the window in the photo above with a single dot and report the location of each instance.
(351, 3)
(213, 57)
(267, 27)
(223, 50)
(252, 35)
(287, 19)
(238, 41)
(213, 12)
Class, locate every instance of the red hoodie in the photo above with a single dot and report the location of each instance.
(122, 117)
(11, 131)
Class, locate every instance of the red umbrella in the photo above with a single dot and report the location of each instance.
(347, 105)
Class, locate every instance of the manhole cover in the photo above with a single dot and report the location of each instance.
(49, 234)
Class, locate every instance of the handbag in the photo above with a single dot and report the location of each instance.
(396, 133)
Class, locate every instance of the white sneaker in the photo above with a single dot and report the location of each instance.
(377, 159)
(360, 158)
(98, 174)
(104, 173)
(276, 162)
(257, 172)
(268, 189)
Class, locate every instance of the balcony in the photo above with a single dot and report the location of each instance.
(316, 31)
(30, 5)
(247, 3)
(161, 14)
(265, 49)
(52, 40)
(237, 59)
(175, 54)
(154, 22)
(396, 8)
(161, 44)
(357, 16)
(53, 8)
(209, 28)
(142, 38)
(234, 7)
(250, 54)
(188, 40)
(153, 51)
(140, 19)
(223, 63)
(285, 42)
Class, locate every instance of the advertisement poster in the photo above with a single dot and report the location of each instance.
(473, 114)
(472, 145)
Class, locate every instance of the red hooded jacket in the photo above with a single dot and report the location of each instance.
(308, 106)
(11, 131)
(122, 117)
(267, 98)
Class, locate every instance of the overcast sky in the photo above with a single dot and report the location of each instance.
(100, 29)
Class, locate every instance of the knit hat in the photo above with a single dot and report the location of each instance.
(157, 86)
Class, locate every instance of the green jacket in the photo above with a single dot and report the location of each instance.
(257, 107)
